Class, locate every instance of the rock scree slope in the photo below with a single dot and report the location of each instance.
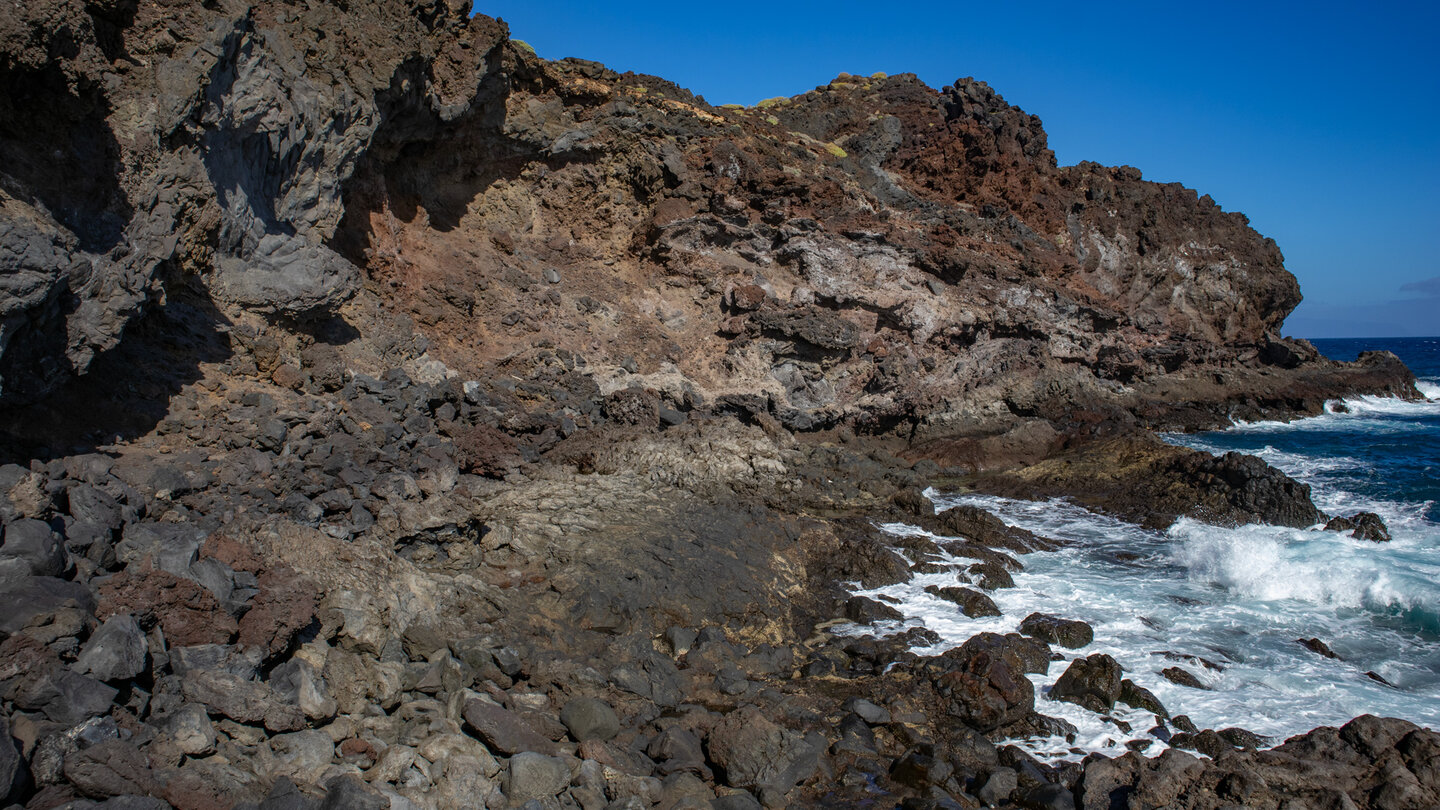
(392, 418)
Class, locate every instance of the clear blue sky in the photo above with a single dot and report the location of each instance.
(1317, 120)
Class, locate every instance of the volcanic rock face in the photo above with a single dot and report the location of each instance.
(871, 253)
(391, 417)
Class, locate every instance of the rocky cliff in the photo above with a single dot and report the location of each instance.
(398, 418)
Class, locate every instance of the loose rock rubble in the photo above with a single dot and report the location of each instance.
(390, 418)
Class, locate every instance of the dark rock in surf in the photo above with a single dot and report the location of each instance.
(1182, 677)
(864, 610)
(1093, 682)
(1141, 698)
(1070, 633)
(1318, 647)
(972, 603)
(1362, 526)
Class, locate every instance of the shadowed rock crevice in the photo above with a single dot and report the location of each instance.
(130, 390)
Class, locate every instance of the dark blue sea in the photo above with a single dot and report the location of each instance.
(1229, 604)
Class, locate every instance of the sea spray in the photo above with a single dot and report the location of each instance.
(1227, 604)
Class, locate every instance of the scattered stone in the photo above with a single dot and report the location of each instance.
(1092, 682)
(285, 606)
(920, 768)
(26, 600)
(347, 792)
(1182, 677)
(535, 776)
(241, 700)
(983, 683)
(680, 639)
(37, 544)
(1047, 796)
(998, 787)
(1362, 526)
(186, 612)
(590, 719)
(678, 750)
(1317, 646)
(869, 712)
(1141, 698)
(116, 651)
(11, 763)
(191, 729)
(110, 768)
(1378, 678)
(972, 603)
(864, 610)
(755, 752)
(1055, 630)
(504, 731)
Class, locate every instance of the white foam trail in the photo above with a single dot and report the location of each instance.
(1430, 389)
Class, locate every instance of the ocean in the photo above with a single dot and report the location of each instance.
(1230, 604)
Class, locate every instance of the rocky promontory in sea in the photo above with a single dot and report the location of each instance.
(392, 418)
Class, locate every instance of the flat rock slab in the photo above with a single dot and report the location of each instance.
(503, 730)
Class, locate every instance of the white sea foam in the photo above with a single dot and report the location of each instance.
(1268, 563)
(1237, 598)
(1365, 413)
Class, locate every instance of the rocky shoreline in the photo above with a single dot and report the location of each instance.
(391, 418)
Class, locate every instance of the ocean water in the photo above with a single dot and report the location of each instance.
(1229, 604)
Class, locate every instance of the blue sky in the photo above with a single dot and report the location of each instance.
(1317, 120)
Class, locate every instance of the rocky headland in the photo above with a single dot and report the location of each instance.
(392, 418)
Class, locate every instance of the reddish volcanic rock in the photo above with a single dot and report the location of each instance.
(186, 612)
(285, 606)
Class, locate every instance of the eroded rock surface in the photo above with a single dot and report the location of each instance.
(392, 418)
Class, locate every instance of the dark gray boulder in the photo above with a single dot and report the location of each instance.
(971, 602)
(864, 610)
(535, 776)
(1092, 682)
(25, 599)
(1183, 677)
(116, 651)
(503, 730)
(37, 544)
(755, 752)
(349, 793)
(1141, 698)
(590, 719)
(1362, 526)
(1055, 630)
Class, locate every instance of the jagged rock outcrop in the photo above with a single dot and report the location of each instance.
(146, 141)
(904, 257)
